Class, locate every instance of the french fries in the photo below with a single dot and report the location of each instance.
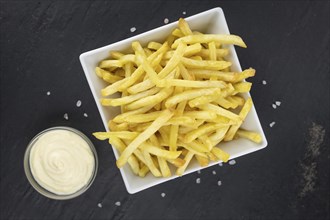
(178, 101)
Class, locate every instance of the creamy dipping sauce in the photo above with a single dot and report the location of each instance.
(61, 162)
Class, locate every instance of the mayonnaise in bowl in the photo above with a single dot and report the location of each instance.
(60, 163)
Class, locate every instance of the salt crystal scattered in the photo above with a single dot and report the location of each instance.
(99, 205)
(198, 180)
(166, 21)
(85, 115)
(272, 124)
(213, 172)
(66, 116)
(48, 93)
(184, 12)
(78, 104)
(118, 203)
(199, 172)
(220, 164)
(219, 183)
(274, 106)
(163, 195)
(278, 103)
(232, 162)
(264, 82)
(133, 29)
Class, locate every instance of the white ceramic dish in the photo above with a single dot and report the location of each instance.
(213, 22)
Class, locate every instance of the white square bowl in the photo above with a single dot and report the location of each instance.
(212, 22)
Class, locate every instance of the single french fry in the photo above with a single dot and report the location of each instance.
(121, 118)
(220, 154)
(110, 63)
(205, 64)
(219, 53)
(190, 50)
(193, 84)
(178, 162)
(205, 99)
(143, 171)
(206, 141)
(196, 145)
(203, 161)
(189, 94)
(185, 73)
(154, 45)
(206, 38)
(206, 73)
(177, 33)
(242, 87)
(205, 115)
(220, 111)
(116, 55)
(245, 74)
(154, 140)
(142, 118)
(113, 126)
(253, 136)
(187, 159)
(164, 169)
(151, 165)
(184, 27)
(175, 128)
(106, 75)
(236, 99)
(153, 99)
(218, 135)
(189, 137)
(223, 102)
(211, 156)
(113, 88)
(128, 99)
(213, 50)
(154, 150)
(180, 120)
(119, 134)
(191, 149)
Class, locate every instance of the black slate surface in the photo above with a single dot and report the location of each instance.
(288, 44)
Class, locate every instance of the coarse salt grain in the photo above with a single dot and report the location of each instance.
(133, 29)
(278, 103)
(85, 115)
(264, 82)
(219, 183)
(48, 93)
(166, 21)
(163, 195)
(213, 172)
(99, 205)
(199, 172)
(220, 164)
(78, 104)
(66, 116)
(118, 203)
(198, 180)
(232, 162)
(272, 124)
(274, 106)
(184, 12)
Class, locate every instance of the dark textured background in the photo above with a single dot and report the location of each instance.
(288, 45)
